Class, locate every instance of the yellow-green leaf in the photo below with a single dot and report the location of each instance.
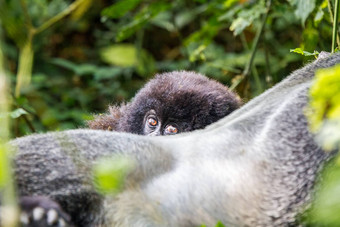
(121, 55)
(110, 173)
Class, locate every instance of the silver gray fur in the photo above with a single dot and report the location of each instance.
(255, 167)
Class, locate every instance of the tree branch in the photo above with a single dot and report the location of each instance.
(59, 16)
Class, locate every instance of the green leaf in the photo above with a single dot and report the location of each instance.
(229, 3)
(198, 54)
(120, 8)
(163, 20)
(145, 64)
(219, 224)
(324, 107)
(17, 113)
(85, 69)
(239, 25)
(128, 30)
(184, 18)
(229, 14)
(124, 55)
(326, 207)
(110, 173)
(12, 19)
(303, 9)
(246, 17)
(64, 63)
(319, 14)
(304, 53)
(107, 73)
(142, 18)
(203, 36)
(297, 50)
(81, 69)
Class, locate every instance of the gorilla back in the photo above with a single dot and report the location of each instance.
(256, 167)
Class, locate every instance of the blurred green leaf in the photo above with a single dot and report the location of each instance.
(163, 20)
(85, 69)
(311, 37)
(247, 17)
(186, 17)
(230, 13)
(328, 135)
(81, 69)
(145, 64)
(324, 107)
(17, 113)
(64, 63)
(239, 25)
(303, 8)
(219, 224)
(198, 54)
(229, 3)
(110, 173)
(107, 73)
(12, 18)
(204, 36)
(124, 55)
(140, 19)
(53, 8)
(120, 8)
(326, 207)
(320, 13)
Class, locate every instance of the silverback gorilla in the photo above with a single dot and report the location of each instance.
(255, 167)
(169, 104)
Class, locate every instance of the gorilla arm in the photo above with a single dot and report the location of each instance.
(256, 167)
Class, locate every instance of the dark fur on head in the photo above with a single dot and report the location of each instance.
(187, 98)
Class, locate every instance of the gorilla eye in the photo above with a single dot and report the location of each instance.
(152, 121)
(170, 130)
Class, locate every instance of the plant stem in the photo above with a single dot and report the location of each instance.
(9, 209)
(256, 40)
(24, 74)
(28, 19)
(26, 54)
(59, 16)
(269, 78)
(332, 20)
(249, 66)
(335, 24)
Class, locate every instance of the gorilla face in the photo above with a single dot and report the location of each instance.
(169, 104)
(155, 125)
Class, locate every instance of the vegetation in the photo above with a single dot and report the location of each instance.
(69, 59)
(66, 60)
(324, 117)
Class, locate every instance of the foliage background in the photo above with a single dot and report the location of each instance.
(102, 53)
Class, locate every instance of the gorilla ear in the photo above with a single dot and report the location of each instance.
(108, 121)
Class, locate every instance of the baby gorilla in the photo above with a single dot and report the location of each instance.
(171, 103)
